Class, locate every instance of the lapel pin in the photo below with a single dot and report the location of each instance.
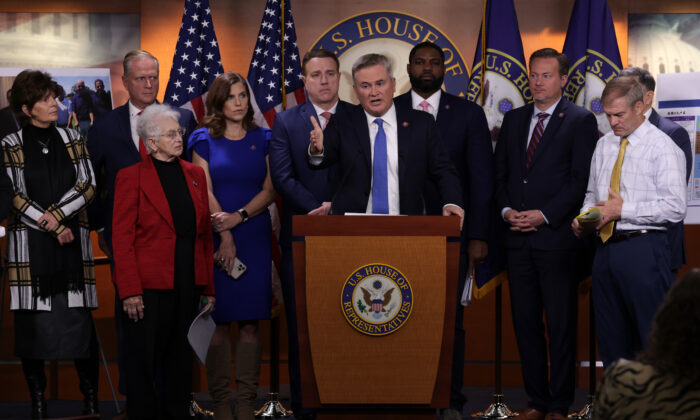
(447, 106)
(195, 183)
(561, 115)
(405, 124)
(252, 147)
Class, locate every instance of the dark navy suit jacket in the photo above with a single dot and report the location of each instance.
(111, 149)
(422, 156)
(465, 133)
(301, 187)
(676, 233)
(556, 181)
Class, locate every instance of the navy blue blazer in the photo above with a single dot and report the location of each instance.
(676, 232)
(111, 149)
(556, 181)
(422, 156)
(465, 133)
(301, 187)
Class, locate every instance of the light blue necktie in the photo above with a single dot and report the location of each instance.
(380, 187)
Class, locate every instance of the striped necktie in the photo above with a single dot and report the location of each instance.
(536, 137)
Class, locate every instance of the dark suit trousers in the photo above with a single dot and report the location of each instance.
(290, 307)
(630, 281)
(457, 399)
(545, 280)
(158, 344)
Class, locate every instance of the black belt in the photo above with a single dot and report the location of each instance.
(623, 235)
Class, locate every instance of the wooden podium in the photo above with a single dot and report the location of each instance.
(376, 301)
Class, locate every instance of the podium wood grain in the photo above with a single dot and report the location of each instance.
(355, 374)
(351, 367)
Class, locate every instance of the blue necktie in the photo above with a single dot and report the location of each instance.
(380, 187)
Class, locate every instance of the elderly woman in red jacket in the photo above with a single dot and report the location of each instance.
(163, 263)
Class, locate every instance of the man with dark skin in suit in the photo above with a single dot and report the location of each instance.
(464, 131)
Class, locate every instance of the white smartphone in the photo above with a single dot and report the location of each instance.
(238, 268)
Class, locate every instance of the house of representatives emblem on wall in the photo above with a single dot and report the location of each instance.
(393, 34)
(377, 299)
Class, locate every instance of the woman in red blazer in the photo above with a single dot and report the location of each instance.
(163, 262)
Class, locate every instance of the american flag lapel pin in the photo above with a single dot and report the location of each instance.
(405, 124)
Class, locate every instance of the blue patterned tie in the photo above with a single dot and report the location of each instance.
(380, 188)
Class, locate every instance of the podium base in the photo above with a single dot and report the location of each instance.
(497, 410)
(586, 413)
(273, 408)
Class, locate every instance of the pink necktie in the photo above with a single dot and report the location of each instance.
(327, 115)
(425, 106)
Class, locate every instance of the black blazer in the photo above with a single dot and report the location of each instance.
(465, 133)
(556, 181)
(676, 233)
(422, 156)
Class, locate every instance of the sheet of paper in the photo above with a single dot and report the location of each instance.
(199, 335)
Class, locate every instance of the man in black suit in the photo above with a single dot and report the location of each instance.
(464, 131)
(385, 154)
(113, 145)
(542, 164)
(303, 189)
(675, 232)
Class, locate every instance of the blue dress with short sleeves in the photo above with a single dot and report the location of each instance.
(238, 169)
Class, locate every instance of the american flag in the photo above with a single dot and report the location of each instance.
(196, 62)
(275, 69)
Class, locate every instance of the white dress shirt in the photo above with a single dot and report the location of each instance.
(321, 120)
(133, 118)
(534, 118)
(652, 181)
(392, 155)
(433, 102)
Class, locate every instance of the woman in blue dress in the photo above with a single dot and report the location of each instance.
(234, 154)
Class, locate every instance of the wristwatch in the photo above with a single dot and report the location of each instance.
(244, 215)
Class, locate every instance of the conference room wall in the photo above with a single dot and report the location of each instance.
(542, 23)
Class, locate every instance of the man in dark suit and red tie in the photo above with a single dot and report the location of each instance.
(303, 189)
(113, 145)
(542, 164)
(385, 154)
(675, 232)
(464, 131)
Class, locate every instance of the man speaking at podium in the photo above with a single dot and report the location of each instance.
(385, 154)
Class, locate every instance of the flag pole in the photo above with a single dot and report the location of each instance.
(273, 408)
(483, 54)
(586, 412)
(498, 409)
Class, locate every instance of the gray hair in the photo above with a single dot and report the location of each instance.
(643, 76)
(369, 60)
(136, 54)
(148, 124)
(626, 86)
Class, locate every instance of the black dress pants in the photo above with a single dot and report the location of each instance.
(545, 281)
(158, 343)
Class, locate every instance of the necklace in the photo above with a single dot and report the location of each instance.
(44, 146)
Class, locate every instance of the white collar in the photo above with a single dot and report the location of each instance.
(389, 117)
(433, 100)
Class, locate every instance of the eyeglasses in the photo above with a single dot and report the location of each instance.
(172, 134)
